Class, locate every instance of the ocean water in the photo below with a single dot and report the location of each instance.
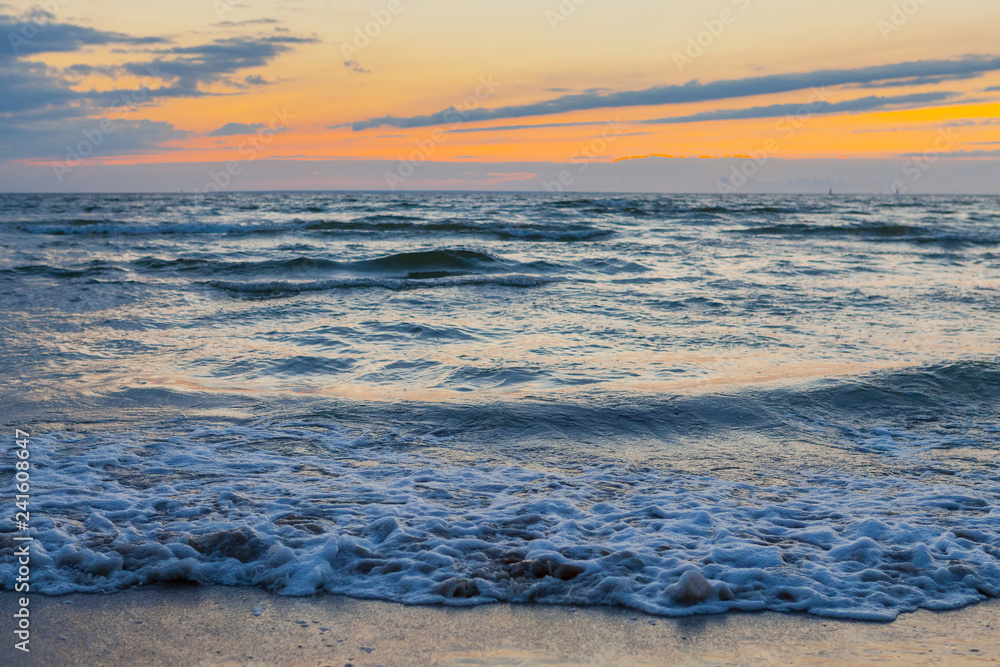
(677, 404)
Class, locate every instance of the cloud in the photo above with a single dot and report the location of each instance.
(33, 34)
(56, 140)
(84, 70)
(42, 111)
(33, 88)
(921, 80)
(238, 24)
(191, 67)
(695, 91)
(355, 66)
(233, 129)
(505, 128)
(256, 80)
(993, 89)
(815, 107)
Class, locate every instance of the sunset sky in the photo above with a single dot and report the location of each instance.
(487, 94)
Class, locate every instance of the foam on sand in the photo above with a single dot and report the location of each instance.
(300, 508)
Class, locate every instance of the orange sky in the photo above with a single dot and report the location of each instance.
(423, 58)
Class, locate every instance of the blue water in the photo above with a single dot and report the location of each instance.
(467, 398)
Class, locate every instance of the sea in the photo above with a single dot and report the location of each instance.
(675, 404)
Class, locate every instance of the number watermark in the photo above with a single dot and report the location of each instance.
(22, 538)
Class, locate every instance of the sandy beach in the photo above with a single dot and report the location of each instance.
(233, 626)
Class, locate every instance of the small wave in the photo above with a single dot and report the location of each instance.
(554, 233)
(960, 393)
(530, 232)
(883, 231)
(206, 266)
(431, 260)
(388, 217)
(63, 273)
(772, 209)
(416, 265)
(570, 203)
(270, 290)
(626, 207)
(383, 223)
(173, 264)
(133, 229)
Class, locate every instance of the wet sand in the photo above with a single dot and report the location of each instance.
(227, 626)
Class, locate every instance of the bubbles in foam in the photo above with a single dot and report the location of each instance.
(301, 509)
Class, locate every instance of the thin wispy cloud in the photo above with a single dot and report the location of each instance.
(234, 129)
(919, 81)
(872, 103)
(540, 126)
(695, 91)
(356, 67)
(248, 22)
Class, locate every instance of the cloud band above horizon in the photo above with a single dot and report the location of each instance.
(694, 91)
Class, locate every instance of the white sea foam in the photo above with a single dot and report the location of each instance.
(300, 509)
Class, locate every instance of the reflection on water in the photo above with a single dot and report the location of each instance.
(676, 404)
(365, 295)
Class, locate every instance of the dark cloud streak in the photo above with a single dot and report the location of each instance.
(29, 36)
(870, 103)
(193, 66)
(235, 129)
(703, 92)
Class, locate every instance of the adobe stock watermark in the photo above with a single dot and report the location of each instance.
(22, 538)
(562, 12)
(915, 169)
(456, 115)
(94, 137)
(363, 36)
(250, 150)
(704, 40)
(900, 16)
(43, 12)
(788, 127)
(585, 155)
(223, 7)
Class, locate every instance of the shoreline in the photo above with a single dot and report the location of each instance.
(209, 625)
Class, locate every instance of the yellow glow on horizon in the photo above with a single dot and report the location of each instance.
(426, 59)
